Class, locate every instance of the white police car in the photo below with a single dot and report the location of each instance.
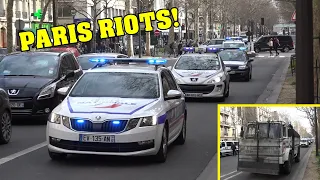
(234, 44)
(202, 75)
(130, 107)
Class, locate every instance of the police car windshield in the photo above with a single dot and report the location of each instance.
(233, 45)
(117, 84)
(86, 64)
(198, 63)
(232, 55)
(34, 65)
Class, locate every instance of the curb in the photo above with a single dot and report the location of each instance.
(299, 175)
(210, 172)
(273, 89)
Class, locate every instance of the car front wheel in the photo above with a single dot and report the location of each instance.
(161, 156)
(5, 127)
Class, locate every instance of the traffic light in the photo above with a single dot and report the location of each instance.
(262, 21)
(183, 27)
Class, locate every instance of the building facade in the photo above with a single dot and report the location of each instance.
(230, 124)
(22, 10)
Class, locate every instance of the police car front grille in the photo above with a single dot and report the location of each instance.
(197, 88)
(106, 126)
(233, 67)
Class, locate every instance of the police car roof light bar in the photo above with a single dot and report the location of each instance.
(150, 61)
(188, 49)
(212, 50)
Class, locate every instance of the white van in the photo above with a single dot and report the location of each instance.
(225, 148)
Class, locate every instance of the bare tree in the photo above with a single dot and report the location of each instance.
(44, 10)
(9, 26)
(148, 5)
(98, 6)
(309, 114)
(129, 38)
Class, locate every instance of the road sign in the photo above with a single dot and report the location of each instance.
(19, 24)
(37, 14)
(293, 18)
(157, 32)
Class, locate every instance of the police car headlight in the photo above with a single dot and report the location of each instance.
(215, 79)
(57, 119)
(242, 67)
(132, 123)
(47, 92)
(148, 121)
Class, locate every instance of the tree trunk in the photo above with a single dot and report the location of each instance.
(196, 22)
(171, 30)
(9, 26)
(316, 42)
(94, 26)
(148, 34)
(205, 29)
(44, 12)
(128, 5)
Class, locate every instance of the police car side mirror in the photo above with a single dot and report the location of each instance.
(170, 67)
(63, 91)
(228, 69)
(251, 59)
(173, 94)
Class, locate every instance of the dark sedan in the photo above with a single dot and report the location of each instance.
(5, 118)
(238, 62)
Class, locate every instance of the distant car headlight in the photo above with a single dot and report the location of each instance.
(47, 92)
(57, 119)
(148, 121)
(243, 67)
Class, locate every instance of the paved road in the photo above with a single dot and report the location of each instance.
(184, 162)
(229, 170)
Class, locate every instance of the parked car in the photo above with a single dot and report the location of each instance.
(31, 80)
(5, 118)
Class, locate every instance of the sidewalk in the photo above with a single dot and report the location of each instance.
(313, 167)
(288, 92)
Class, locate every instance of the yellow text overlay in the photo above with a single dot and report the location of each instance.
(108, 28)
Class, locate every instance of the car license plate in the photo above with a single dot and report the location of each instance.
(16, 105)
(193, 95)
(97, 138)
(232, 72)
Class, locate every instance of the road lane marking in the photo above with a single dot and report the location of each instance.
(233, 176)
(21, 153)
(228, 174)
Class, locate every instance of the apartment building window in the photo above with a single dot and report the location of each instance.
(64, 11)
(18, 14)
(2, 13)
(226, 131)
(233, 132)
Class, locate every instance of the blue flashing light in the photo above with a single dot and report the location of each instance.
(98, 60)
(228, 38)
(80, 121)
(212, 50)
(243, 48)
(115, 122)
(157, 61)
(188, 49)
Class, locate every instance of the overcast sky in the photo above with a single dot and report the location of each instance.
(295, 115)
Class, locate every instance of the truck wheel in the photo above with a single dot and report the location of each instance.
(297, 158)
(287, 165)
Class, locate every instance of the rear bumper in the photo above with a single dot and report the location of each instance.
(259, 167)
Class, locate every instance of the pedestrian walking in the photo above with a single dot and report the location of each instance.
(270, 44)
(233, 147)
(276, 45)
